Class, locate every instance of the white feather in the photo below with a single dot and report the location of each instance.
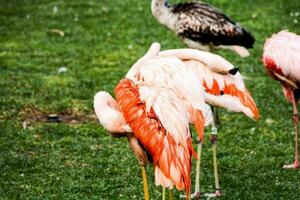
(231, 103)
(214, 62)
(169, 109)
(133, 72)
(171, 72)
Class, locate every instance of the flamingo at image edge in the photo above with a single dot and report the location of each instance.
(202, 26)
(222, 89)
(158, 99)
(281, 58)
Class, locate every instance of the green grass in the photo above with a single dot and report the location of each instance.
(102, 40)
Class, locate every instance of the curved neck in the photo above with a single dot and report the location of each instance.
(134, 71)
(102, 101)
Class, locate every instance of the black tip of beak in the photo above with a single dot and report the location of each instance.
(233, 71)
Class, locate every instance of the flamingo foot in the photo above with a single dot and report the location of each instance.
(213, 195)
(198, 195)
(292, 166)
(195, 195)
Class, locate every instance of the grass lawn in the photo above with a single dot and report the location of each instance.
(78, 159)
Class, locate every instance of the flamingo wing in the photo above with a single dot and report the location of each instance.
(221, 89)
(282, 58)
(171, 72)
(225, 91)
(157, 119)
(212, 61)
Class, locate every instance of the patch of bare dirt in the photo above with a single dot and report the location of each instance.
(30, 115)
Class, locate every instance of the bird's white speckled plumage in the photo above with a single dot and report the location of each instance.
(202, 26)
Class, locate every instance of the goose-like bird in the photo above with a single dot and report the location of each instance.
(158, 99)
(222, 89)
(281, 58)
(202, 26)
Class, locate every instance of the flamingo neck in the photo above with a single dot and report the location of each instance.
(109, 115)
(160, 9)
(133, 73)
(103, 103)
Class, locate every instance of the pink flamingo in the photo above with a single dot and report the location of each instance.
(112, 120)
(158, 99)
(223, 84)
(224, 87)
(281, 58)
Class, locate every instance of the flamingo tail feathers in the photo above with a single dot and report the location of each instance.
(199, 123)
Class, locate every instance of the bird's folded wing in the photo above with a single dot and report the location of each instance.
(212, 61)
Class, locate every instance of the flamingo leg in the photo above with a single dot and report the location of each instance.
(145, 182)
(171, 195)
(142, 159)
(163, 193)
(216, 118)
(214, 138)
(296, 162)
(197, 194)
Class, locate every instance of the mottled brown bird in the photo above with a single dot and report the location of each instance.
(202, 26)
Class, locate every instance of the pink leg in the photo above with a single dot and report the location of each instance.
(296, 162)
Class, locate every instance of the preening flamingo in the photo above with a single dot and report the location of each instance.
(202, 26)
(222, 89)
(158, 99)
(281, 58)
(113, 121)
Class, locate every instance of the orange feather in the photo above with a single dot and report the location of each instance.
(154, 138)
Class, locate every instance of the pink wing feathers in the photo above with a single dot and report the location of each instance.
(171, 72)
(158, 99)
(133, 72)
(162, 130)
(282, 57)
(225, 91)
(221, 89)
(214, 62)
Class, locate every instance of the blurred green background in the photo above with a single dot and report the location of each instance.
(78, 159)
